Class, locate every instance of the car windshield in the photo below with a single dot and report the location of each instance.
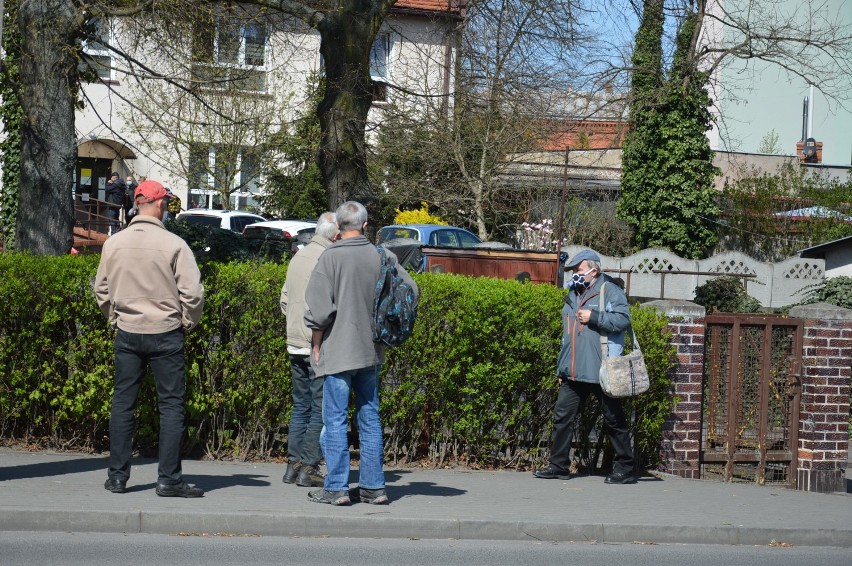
(391, 233)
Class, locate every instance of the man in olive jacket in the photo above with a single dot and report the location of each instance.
(149, 287)
(303, 449)
(579, 364)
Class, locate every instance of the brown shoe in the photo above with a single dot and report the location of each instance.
(310, 476)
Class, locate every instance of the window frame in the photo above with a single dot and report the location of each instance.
(99, 50)
(380, 80)
(209, 55)
(202, 179)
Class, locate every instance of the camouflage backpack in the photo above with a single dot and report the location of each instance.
(395, 307)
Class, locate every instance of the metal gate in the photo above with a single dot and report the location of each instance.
(752, 387)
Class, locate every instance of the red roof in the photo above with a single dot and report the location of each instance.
(432, 5)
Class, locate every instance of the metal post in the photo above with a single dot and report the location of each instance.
(562, 203)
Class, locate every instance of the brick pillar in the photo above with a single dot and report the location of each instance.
(681, 443)
(824, 412)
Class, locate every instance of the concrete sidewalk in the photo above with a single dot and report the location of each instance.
(45, 491)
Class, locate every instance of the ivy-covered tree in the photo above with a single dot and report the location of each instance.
(667, 181)
(10, 114)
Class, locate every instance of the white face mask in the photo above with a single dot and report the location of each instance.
(578, 280)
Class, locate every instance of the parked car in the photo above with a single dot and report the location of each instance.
(407, 241)
(293, 235)
(430, 235)
(233, 220)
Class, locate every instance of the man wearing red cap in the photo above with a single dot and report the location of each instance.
(149, 287)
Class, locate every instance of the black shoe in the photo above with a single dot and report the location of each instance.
(292, 471)
(551, 472)
(620, 478)
(181, 489)
(115, 486)
(371, 496)
(331, 497)
(310, 476)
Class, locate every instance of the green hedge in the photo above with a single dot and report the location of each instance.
(474, 385)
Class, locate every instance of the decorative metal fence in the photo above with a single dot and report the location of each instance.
(752, 391)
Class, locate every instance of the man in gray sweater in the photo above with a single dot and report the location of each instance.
(340, 298)
(303, 449)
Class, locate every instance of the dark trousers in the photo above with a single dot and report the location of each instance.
(306, 419)
(569, 404)
(112, 214)
(165, 354)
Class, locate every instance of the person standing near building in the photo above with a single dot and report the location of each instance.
(579, 364)
(115, 192)
(303, 448)
(129, 192)
(149, 287)
(340, 298)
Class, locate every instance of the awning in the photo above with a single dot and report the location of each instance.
(104, 149)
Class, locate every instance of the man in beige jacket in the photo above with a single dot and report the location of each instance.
(303, 448)
(149, 287)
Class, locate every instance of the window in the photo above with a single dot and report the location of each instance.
(215, 169)
(231, 55)
(380, 67)
(467, 240)
(96, 55)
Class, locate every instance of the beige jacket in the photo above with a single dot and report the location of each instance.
(148, 281)
(293, 293)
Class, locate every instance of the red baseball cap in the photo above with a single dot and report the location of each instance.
(149, 191)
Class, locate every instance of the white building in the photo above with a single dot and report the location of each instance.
(185, 137)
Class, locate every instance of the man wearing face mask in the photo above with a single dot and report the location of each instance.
(579, 364)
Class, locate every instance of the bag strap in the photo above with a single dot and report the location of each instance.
(603, 337)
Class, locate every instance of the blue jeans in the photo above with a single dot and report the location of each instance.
(333, 439)
(306, 419)
(165, 354)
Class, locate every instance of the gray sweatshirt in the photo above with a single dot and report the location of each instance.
(340, 297)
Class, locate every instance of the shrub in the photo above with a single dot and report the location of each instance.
(474, 384)
(725, 294)
(418, 216)
(213, 244)
(835, 291)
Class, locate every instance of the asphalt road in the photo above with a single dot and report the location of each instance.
(93, 549)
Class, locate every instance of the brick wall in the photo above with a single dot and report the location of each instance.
(682, 432)
(824, 412)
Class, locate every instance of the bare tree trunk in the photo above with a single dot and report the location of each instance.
(49, 85)
(347, 37)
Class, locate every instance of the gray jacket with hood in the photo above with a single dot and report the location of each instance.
(580, 356)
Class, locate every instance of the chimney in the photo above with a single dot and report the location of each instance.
(808, 149)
